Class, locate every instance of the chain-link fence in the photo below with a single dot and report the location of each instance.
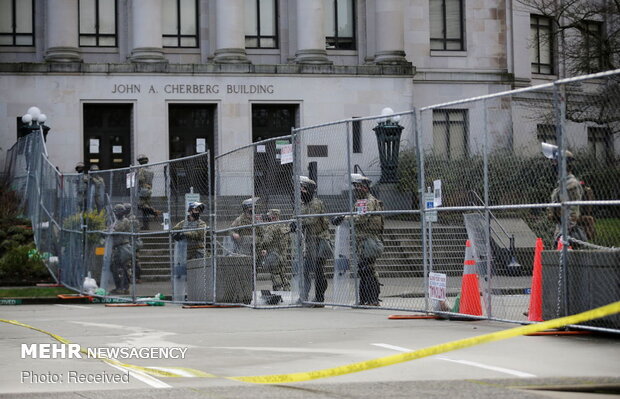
(443, 209)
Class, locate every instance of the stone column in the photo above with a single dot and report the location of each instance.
(310, 33)
(62, 31)
(230, 32)
(146, 20)
(389, 32)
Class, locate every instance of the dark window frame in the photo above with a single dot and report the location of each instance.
(536, 65)
(178, 34)
(259, 36)
(341, 42)
(447, 122)
(593, 46)
(98, 35)
(14, 34)
(444, 40)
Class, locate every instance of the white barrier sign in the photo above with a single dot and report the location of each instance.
(286, 154)
(437, 286)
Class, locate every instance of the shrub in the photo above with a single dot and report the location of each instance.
(20, 266)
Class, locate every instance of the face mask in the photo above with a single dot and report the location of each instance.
(306, 196)
(194, 216)
(79, 170)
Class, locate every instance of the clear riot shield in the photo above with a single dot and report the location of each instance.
(107, 279)
(179, 278)
(344, 288)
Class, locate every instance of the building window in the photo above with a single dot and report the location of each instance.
(592, 46)
(450, 133)
(541, 47)
(317, 151)
(339, 24)
(446, 21)
(545, 133)
(356, 139)
(180, 23)
(97, 23)
(600, 143)
(16, 23)
(261, 24)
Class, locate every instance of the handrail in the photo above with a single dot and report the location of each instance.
(474, 195)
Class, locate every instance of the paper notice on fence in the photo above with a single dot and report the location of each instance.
(437, 286)
(286, 154)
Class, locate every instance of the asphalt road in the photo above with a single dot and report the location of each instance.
(228, 342)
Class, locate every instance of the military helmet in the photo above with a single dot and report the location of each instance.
(247, 204)
(142, 158)
(552, 151)
(357, 178)
(94, 167)
(79, 167)
(199, 206)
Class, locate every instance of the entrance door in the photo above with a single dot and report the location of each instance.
(107, 142)
(107, 135)
(268, 121)
(191, 131)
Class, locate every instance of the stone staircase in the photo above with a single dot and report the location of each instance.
(402, 256)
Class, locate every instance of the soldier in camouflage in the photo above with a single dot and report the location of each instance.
(275, 246)
(368, 231)
(196, 238)
(317, 246)
(145, 191)
(121, 251)
(134, 223)
(575, 193)
(81, 183)
(242, 238)
(97, 190)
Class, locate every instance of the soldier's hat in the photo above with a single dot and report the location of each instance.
(94, 167)
(141, 157)
(247, 204)
(199, 206)
(357, 178)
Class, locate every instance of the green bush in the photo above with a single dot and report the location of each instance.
(19, 266)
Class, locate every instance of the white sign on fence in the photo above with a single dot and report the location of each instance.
(437, 286)
(286, 154)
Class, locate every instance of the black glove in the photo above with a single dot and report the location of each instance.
(178, 236)
(336, 220)
(293, 227)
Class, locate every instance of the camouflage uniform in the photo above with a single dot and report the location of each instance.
(145, 187)
(121, 255)
(317, 249)
(195, 246)
(98, 192)
(244, 244)
(368, 230)
(81, 189)
(276, 241)
(575, 193)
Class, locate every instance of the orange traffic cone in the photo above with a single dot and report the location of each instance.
(535, 310)
(470, 293)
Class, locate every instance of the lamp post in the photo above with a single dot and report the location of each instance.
(34, 121)
(388, 133)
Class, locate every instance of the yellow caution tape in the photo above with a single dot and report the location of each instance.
(596, 313)
(432, 350)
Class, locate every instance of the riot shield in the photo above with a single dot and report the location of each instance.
(344, 288)
(179, 278)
